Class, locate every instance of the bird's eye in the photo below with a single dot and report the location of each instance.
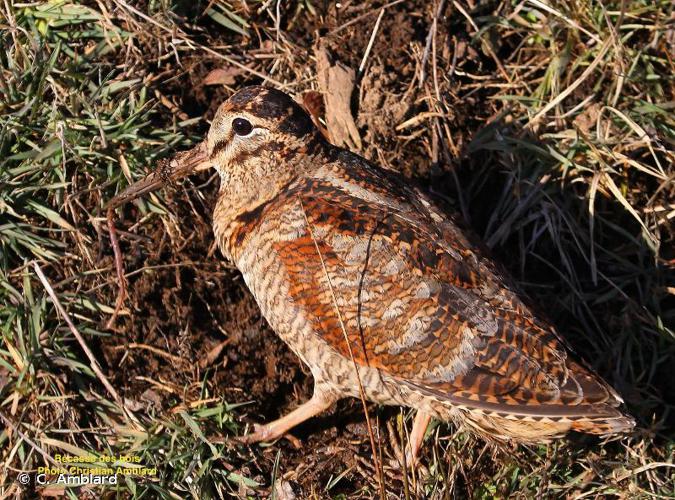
(241, 126)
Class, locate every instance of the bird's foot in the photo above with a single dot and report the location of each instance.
(319, 402)
(408, 458)
(267, 433)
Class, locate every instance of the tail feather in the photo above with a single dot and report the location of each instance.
(534, 422)
(542, 428)
(614, 424)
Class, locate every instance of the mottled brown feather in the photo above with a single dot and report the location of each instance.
(425, 311)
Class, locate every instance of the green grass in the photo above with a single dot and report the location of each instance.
(70, 114)
(578, 202)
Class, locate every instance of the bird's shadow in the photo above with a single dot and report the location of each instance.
(600, 281)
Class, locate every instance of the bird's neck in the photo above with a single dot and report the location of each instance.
(247, 190)
(252, 184)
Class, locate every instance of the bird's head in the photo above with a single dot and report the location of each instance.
(259, 134)
(259, 140)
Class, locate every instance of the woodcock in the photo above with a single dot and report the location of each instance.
(373, 286)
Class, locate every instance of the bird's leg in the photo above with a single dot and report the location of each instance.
(320, 401)
(420, 425)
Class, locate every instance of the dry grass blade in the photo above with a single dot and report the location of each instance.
(371, 435)
(93, 363)
(599, 59)
(574, 24)
(371, 40)
(135, 345)
(28, 440)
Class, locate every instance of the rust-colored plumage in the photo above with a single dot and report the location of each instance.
(351, 264)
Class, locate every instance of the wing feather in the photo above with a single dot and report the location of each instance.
(421, 302)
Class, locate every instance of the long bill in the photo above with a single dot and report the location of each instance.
(181, 165)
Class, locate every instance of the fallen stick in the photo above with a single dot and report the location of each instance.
(167, 172)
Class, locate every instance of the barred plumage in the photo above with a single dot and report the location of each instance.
(346, 260)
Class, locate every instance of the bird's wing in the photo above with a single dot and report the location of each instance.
(379, 265)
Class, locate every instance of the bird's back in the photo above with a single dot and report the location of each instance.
(351, 265)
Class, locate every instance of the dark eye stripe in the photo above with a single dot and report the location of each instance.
(220, 145)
